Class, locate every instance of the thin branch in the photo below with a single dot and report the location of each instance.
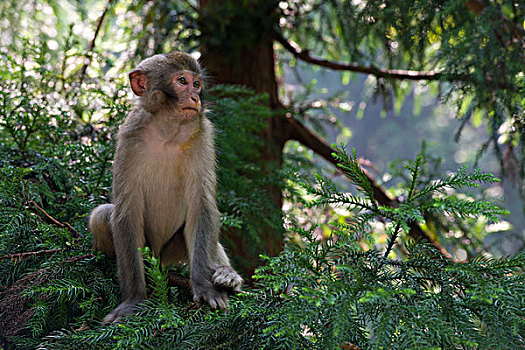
(392, 240)
(52, 220)
(80, 257)
(20, 256)
(305, 55)
(193, 7)
(297, 131)
(91, 46)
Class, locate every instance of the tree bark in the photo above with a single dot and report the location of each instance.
(254, 67)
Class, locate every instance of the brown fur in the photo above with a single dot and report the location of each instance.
(164, 187)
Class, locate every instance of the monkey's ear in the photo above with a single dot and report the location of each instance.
(138, 81)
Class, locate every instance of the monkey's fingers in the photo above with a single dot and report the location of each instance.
(227, 277)
(119, 312)
(216, 299)
(222, 302)
(110, 318)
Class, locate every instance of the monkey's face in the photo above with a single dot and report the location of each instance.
(187, 87)
(169, 82)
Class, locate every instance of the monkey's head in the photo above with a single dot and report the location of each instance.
(173, 80)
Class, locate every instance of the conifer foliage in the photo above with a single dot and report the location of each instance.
(338, 287)
(321, 292)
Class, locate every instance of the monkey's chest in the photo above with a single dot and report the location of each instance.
(167, 158)
(164, 191)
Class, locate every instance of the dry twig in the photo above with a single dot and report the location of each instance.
(20, 256)
(52, 220)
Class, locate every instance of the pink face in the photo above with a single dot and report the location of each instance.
(188, 86)
(185, 87)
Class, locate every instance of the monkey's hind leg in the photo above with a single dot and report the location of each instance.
(100, 226)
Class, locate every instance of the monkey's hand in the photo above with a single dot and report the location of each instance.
(225, 277)
(120, 311)
(215, 297)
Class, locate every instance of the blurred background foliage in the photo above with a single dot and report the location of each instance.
(63, 94)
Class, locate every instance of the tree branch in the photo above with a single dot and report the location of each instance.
(305, 56)
(80, 257)
(52, 220)
(298, 132)
(20, 256)
(91, 46)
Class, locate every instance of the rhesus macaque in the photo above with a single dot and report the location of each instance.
(164, 187)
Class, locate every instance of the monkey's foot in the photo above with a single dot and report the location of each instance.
(214, 297)
(226, 277)
(120, 311)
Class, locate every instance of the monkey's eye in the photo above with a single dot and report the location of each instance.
(196, 84)
(182, 81)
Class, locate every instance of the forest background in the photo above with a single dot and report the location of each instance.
(390, 245)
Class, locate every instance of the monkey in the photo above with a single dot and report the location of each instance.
(163, 191)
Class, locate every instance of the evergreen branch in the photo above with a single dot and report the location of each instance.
(460, 179)
(299, 132)
(403, 213)
(353, 171)
(305, 56)
(465, 208)
(349, 200)
(295, 130)
(328, 194)
(392, 240)
(414, 172)
(52, 220)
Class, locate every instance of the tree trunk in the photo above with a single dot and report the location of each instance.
(250, 64)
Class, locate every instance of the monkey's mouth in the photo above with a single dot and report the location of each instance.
(190, 110)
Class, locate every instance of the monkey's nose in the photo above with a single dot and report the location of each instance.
(194, 99)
